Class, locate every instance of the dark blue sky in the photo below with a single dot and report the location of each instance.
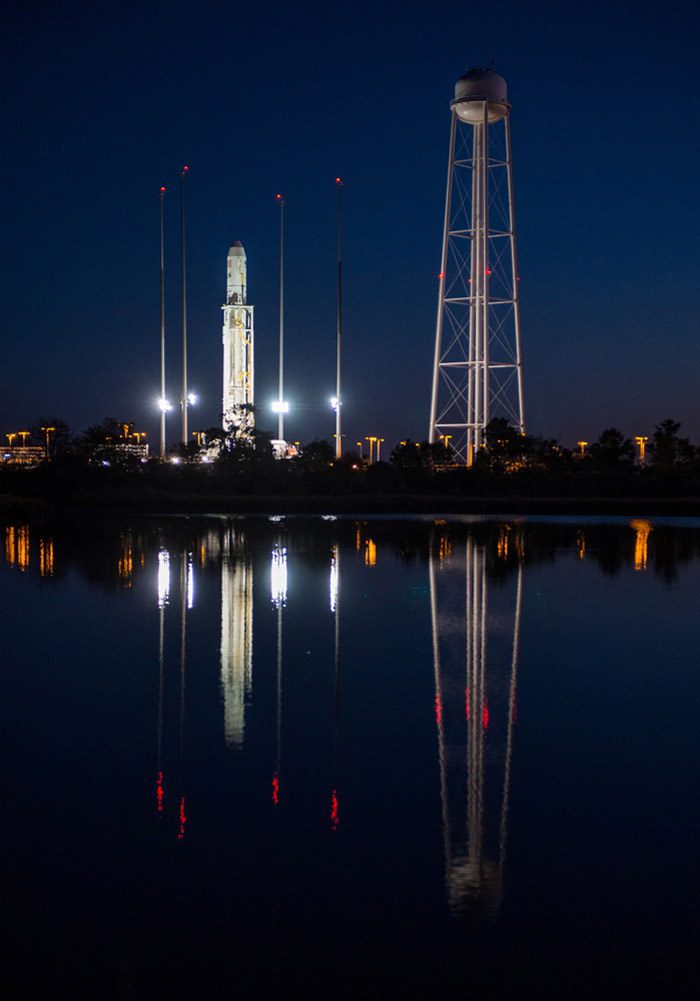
(105, 102)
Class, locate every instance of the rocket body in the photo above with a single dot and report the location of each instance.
(238, 346)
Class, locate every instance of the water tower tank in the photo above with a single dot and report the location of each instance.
(475, 87)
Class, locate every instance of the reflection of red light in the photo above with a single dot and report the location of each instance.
(467, 706)
(275, 789)
(335, 816)
(485, 716)
(438, 710)
(183, 819)
(159, 792)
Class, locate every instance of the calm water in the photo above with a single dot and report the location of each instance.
(367, 759)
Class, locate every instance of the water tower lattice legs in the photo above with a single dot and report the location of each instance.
(477, 365)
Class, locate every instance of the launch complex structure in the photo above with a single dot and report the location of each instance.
(477, 365)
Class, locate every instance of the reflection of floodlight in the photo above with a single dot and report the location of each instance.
(278, 576)
(191, 399)
(163, 577)
(164, 406)
(190, 582)
(333, 583)
(280, 407)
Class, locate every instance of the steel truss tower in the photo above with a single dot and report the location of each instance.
(477, 370)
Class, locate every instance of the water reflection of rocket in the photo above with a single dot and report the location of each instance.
(474, 831)
(236, 633)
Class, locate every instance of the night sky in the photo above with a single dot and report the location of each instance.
(103, 103)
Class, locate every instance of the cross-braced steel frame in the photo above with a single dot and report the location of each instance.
(477, 369)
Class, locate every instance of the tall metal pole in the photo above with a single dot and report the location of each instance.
(162, 331)
(280, 393)
(183, 402)
(339, 326)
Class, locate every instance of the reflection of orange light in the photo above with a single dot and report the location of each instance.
(23, 547)
(370, 553)
(335, 816)
(485, 716)
(502, 544)
(358, 538)
(183, 819)
(160, 793)
(581, 545)
(125, 566)
(202, 555)
(438, 710)
(467, 706)
(10, 545)
(275, 789)
(445, 550)
(46, 557)
(642, 528)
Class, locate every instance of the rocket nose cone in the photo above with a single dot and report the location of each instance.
(236, 249)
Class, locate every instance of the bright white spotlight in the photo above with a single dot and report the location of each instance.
(164, 406)
(192, 398)
(335, 402)
(280, 407)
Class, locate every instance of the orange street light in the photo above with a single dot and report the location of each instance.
(641, 440)
(24, 436)
(582, 447)
(49, 431)
(11, 437)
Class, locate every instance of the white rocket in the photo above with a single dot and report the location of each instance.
(238, 345)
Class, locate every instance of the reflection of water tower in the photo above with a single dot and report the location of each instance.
(475, 654)
(236, 633)
(477, 372)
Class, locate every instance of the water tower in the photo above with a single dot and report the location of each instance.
(477, 370)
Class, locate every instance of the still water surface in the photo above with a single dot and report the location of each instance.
(367, 758)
